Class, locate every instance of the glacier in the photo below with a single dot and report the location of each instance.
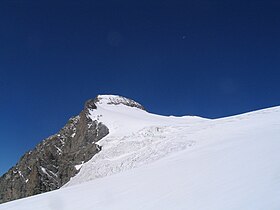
(150, 161)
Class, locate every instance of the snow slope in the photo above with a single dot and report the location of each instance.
(175, 163)
(135, 138)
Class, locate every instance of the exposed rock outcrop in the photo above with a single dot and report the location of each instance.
(56, 159)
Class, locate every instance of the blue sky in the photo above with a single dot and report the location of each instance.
(207, 57)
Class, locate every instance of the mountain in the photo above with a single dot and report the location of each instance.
(138, 160)
(52, 163)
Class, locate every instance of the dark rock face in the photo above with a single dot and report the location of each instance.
(52, 163)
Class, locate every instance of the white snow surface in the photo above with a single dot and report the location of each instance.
(150, 162)
(115, 99)
(135, 138)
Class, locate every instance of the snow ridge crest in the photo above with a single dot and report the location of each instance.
(112, 100)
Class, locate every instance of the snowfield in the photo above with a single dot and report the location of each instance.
(154, 162)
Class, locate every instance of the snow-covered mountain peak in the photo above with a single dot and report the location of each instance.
(190, 162)
(102, 100)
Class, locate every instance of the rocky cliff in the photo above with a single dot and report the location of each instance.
(57, 158)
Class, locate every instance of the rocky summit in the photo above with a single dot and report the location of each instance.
(56, 159)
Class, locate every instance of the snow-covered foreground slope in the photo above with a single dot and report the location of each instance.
(175, 163)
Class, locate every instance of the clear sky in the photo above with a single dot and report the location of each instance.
(202, 57)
